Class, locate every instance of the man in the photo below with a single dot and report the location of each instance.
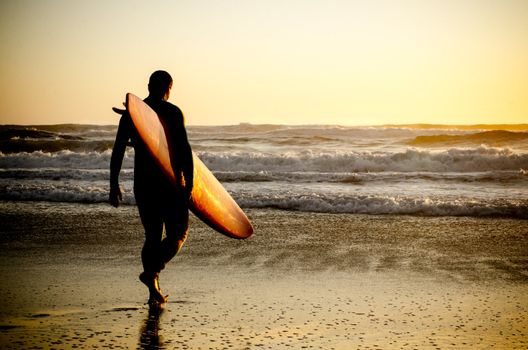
(160, 203)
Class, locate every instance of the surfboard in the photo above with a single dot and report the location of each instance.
(210, 202)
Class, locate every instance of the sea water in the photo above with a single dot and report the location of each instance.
(331, 169)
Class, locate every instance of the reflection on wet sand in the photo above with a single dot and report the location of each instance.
(149, 338)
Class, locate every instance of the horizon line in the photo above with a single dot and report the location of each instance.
(515, 126)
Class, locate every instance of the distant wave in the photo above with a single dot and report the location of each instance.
(15, 139)
(492, 138)
(70, 129)
(34, 134)
(510, 127)
(247, 138)
(304, 133)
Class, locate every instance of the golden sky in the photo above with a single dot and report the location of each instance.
(341, 62)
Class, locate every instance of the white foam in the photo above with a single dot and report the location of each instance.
(60, 192)
(393, 205)
(360, 204)
(453, 160)
(62, 160)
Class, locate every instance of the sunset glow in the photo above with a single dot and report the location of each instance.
(282, 62)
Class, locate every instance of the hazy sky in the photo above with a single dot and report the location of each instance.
(290, 62)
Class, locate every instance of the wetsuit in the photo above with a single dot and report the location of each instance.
(160, 203)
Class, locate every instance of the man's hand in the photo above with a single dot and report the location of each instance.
(115, 196)
(188, 189)
(118, 110)
(185, 185)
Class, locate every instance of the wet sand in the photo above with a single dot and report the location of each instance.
(314, 281)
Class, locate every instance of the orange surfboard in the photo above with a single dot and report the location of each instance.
(209, 200)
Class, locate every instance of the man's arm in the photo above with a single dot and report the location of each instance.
(182, 160)
(116, 161)
(187, 160)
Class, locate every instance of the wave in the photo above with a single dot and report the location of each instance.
(61, 174)
(502, 177)
(34, 134)
(63, 160)
(55, 138)
(351, 204)
(266, 128)
(58, 192)
(453, 160)
(494, 138)
(303, 135)
(382, 205)
(513, 178)
(70, 129)
(510, 127)
(481, 159)
(248, 138)
(74, 145)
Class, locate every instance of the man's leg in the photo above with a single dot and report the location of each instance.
(176, 229)
(150, 254)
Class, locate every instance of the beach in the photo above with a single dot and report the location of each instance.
(304, 280)
(411, 237)
(378, 148)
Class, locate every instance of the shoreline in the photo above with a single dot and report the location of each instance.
(304, 280)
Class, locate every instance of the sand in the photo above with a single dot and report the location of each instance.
(303, 281)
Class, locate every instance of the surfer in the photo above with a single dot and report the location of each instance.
(160, 203)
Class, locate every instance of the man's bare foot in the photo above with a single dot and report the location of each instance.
(151, 281)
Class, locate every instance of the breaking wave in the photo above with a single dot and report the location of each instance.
(491, 138)
(393, 205)
(453, 160)
(410, 160)
(313, 202)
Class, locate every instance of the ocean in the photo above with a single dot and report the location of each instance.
(406, 170)
(362, 236)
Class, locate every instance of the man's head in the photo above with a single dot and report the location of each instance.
(160, 84)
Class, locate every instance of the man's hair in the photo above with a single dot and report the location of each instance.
(159, 82)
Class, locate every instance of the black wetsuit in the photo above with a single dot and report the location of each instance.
(159, 202)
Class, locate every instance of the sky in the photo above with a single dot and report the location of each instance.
(344, 62)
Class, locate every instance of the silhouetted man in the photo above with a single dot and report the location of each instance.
(160, 203)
